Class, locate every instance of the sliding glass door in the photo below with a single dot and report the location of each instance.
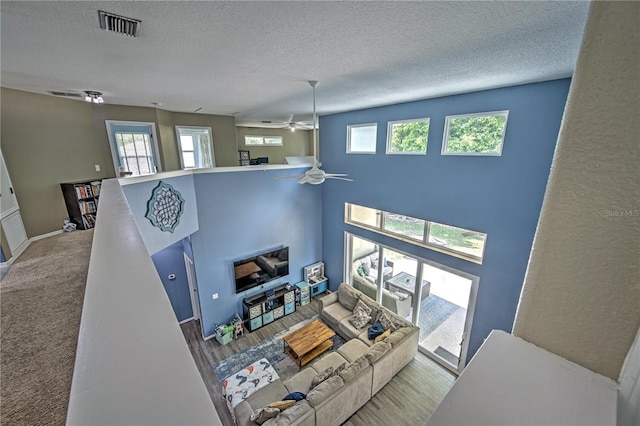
(437, 298)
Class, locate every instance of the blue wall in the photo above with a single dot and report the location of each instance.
(500, 196)
(171, 261)
(242, 214)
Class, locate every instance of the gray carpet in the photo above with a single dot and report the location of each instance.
(41, 303)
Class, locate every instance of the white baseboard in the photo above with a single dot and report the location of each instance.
(18, 252)
(187, 320)
(50, 234)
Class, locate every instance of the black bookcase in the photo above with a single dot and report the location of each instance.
(81, 199)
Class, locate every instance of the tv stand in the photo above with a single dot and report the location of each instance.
(266, 307)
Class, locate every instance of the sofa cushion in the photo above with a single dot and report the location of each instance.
(355, 368)
(353, 349)
(335, 313)
(398, 335)
(332, 359)
(348, 296)
(376, 351)
(324, 390)
(290, 415)
(348, 330)
(263, 397)
(300, 382)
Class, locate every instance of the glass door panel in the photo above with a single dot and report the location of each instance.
(443, 314)
(399, 280)
(364, 273)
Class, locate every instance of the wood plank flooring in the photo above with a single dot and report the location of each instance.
(408, 399)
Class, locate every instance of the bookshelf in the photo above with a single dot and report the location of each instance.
(81, 199)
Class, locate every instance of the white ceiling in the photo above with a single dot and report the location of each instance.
(252, 59)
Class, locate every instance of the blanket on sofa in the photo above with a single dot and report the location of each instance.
(241, 385)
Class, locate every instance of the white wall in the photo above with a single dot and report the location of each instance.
(582, 289)
(629, 391)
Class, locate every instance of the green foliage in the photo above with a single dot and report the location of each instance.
(410, 137)
(476, 134)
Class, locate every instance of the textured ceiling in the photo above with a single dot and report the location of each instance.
(252, 59)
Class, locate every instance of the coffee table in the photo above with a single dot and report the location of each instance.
(407, 283)
(308, 342)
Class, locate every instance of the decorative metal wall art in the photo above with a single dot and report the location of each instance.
(165, 207)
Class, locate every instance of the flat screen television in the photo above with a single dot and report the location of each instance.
(257, 270)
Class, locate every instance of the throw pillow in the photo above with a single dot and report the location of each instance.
(366, 268)
(360, 318)
(360, 304)
(295, 396)
(386, 321)
(375, 330)
(361, 271)
(282, 405)
(321, 377)
(261, 415)
(284, 254)
(383, 336)
(338, 369)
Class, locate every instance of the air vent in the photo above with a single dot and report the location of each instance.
(119, 24)
(66, 94)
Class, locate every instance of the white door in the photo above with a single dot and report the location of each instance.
(12, 225)
(193, 288)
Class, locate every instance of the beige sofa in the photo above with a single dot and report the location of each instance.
(368, 367)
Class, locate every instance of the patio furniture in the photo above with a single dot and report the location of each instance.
(406, 282)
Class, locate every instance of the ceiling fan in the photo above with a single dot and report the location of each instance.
(290, 124)
(316, 176)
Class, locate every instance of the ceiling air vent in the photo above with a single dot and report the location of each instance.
(66, 94)
(119, 24)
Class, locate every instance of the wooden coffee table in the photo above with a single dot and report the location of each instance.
(308, 342)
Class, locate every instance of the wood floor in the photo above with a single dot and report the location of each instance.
(408, 399)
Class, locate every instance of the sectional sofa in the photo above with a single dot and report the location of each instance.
(366, 367)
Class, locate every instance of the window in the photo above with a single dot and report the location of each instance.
(458, 242)
(133, 147)
(475, 134)
(408, 137)
(361, 138)
(263, 140)
(195, 147)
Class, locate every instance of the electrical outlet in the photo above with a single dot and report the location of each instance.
(97, 167)
(214, 296)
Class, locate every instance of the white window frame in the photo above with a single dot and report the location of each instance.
(263, 138)
(380, 229)
(113, 145)
(354, 126)
(390, 136)
(196, 151)
(445, 137)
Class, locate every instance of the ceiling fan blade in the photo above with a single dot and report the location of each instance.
(336, 174)
(305, 179)
(290, 177)
(340, 178)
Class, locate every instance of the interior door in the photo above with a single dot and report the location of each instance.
(12, 225)
(193, 287)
